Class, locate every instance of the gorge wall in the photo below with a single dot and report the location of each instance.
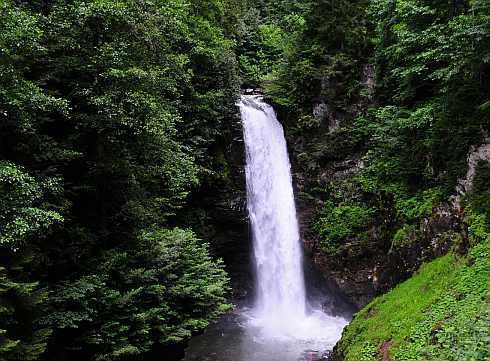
(379, 146)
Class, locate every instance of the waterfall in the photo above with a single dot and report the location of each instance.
(270, 201)
(282, 325)
(280, 305)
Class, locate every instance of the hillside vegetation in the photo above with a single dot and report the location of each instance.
(121, 170)
(441, 313)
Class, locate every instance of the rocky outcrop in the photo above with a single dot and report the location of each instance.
(316, 163)
(323, 112)
(465, 185)
(368, 78)
(364, 269)
(362, 272)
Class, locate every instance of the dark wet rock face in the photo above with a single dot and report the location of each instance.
(220, 214)
(352, 275)
(229, 221)
(361, 273)
(324, 156)
(321, 155)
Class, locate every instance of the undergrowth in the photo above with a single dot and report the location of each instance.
(442, 313)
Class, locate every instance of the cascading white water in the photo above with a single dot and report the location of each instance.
(280, 309)
(270, 200)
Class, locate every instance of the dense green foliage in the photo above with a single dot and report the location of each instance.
(109, 112)
(340, 223)
(267, 31)
(116, 119)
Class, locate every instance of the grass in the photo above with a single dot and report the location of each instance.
(441, 313)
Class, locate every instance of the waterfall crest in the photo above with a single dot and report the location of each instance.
(280, 305)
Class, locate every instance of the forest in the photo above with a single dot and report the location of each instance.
(123, 225)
